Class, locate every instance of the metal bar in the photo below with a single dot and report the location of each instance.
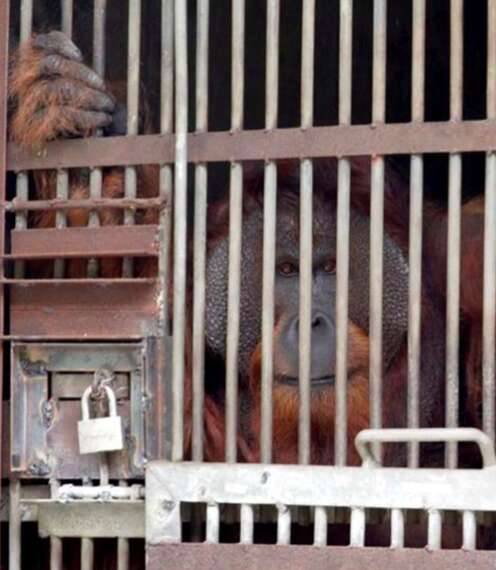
(377, 220)
(180, 211)
(90, 204)
(320, 526)
(247, 524)
(55, 541)
(357, 527)
(269, 237)
(469, 530)
(397, 528)
(305, 309)
(340, 140)
(306, 236)
(200, 232)
(15, 521)
(343, 237)
(123, 552)
(434, 529)
(67, 11)
(21, 220)
(235, 224)
(164, 389)
(489, 297)
(415, 232)
(133, 79)
(26, 20)
(213, 523)
(277, 557)
(454, 232)
(283, 524)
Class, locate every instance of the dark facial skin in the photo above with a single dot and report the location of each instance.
(323, 336)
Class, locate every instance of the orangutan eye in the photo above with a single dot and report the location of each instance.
(330, 267)
(287, 269)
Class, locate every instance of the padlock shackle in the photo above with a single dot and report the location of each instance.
(85, 408)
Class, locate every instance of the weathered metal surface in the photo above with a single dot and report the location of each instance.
(253, 557)
(92, 519)
(124, 309)
(342, 140)
(103, 241)
(44, 437)
(17, 205)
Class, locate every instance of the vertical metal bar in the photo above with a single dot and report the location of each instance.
(247, 524)
(122, 545)
(4, 73)
(489, 299)
(67, 11)
(357, 527)
(283, 524)
(397, 528)
(434, 529)
(454, 233)
(96, 179)
(200, 231)
(55, 541)
(306, 235)
(213, 523)
(163, 389)
(87, 545)
(15, 525)
(377, 221)
(469, 530)
(62, 190)
(415, 237)
(26, 19)
(269, 237)
(133, 79)
(235, 222)
(21, 219)
(320, 527)
(180, 211)
(343, 237)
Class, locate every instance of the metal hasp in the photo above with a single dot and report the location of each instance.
(97, 435)
(47, 383)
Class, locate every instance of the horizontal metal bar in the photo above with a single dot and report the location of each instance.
(86, 281)
(341, 140)
(76, 254)
(280, 557)
(103, 493)
(368, 436)
(326, 486)
(91, 204)
(115, 240)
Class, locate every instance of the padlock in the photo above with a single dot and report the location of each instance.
(100, 434)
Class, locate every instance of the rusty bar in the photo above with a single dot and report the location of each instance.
(60, 216)
(283, 524)
(200, 232)
(489, 297)
(415, 231)
(469, 530)
(306, 236)
(269, 237)
(434, 529)
(55, 541)
(247, 523)
(320, 526)
(90, 204)
(235, 223)
(133, 80)
(107, 240)
(180, 230)
(343, 236)
(72, 254)
(340, 140)
(397, 528)
(377, 221)
(454, 233)
(277, 557)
